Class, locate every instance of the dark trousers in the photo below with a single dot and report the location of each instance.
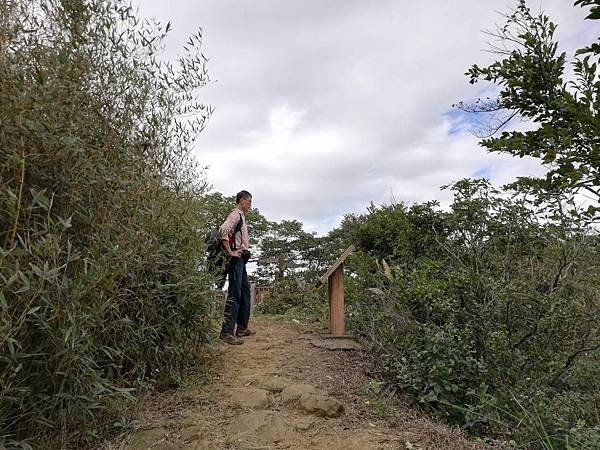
(237, 306)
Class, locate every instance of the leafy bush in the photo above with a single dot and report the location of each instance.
(292, 297)
(100, 287)
(493, 321)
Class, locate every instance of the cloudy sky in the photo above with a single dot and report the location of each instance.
(323, 106)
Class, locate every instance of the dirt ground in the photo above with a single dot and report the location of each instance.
(280, 391)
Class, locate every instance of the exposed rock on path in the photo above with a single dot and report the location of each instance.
(278, 391)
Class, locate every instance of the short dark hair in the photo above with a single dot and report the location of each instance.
(242, 194)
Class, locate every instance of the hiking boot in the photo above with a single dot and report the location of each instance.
(241, 332)
(229, 338)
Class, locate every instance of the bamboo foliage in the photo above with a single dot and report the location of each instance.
(99, 231)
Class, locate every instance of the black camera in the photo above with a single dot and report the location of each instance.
(245, 255)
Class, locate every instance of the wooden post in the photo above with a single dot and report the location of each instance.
(336, 302)
(335, 281)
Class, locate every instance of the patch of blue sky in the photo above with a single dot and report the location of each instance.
(483, 172)
(461, 122)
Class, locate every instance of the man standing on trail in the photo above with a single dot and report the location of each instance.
(234, 237)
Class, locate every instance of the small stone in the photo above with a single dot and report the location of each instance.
(273, 384)
(321, 405)
(304, 423)
(250, 398)
(265, 425)
(294, 391)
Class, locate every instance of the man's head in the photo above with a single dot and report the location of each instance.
(244, 200)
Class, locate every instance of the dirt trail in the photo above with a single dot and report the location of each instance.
(279, 391)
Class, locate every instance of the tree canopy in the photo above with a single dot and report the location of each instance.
(534, 85)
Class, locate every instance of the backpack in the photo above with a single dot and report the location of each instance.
(216, 257)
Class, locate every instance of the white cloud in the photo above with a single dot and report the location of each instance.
(322, 107)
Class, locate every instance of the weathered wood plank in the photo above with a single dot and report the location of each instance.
(339, 261)
(337, 323)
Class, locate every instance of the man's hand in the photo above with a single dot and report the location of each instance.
(230, 253)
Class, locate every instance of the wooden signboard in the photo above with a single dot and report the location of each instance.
(335, 280)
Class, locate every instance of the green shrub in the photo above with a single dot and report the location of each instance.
(293, 298)
(492, 320)
(100, 287)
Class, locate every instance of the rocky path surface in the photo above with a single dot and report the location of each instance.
(279, 391)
